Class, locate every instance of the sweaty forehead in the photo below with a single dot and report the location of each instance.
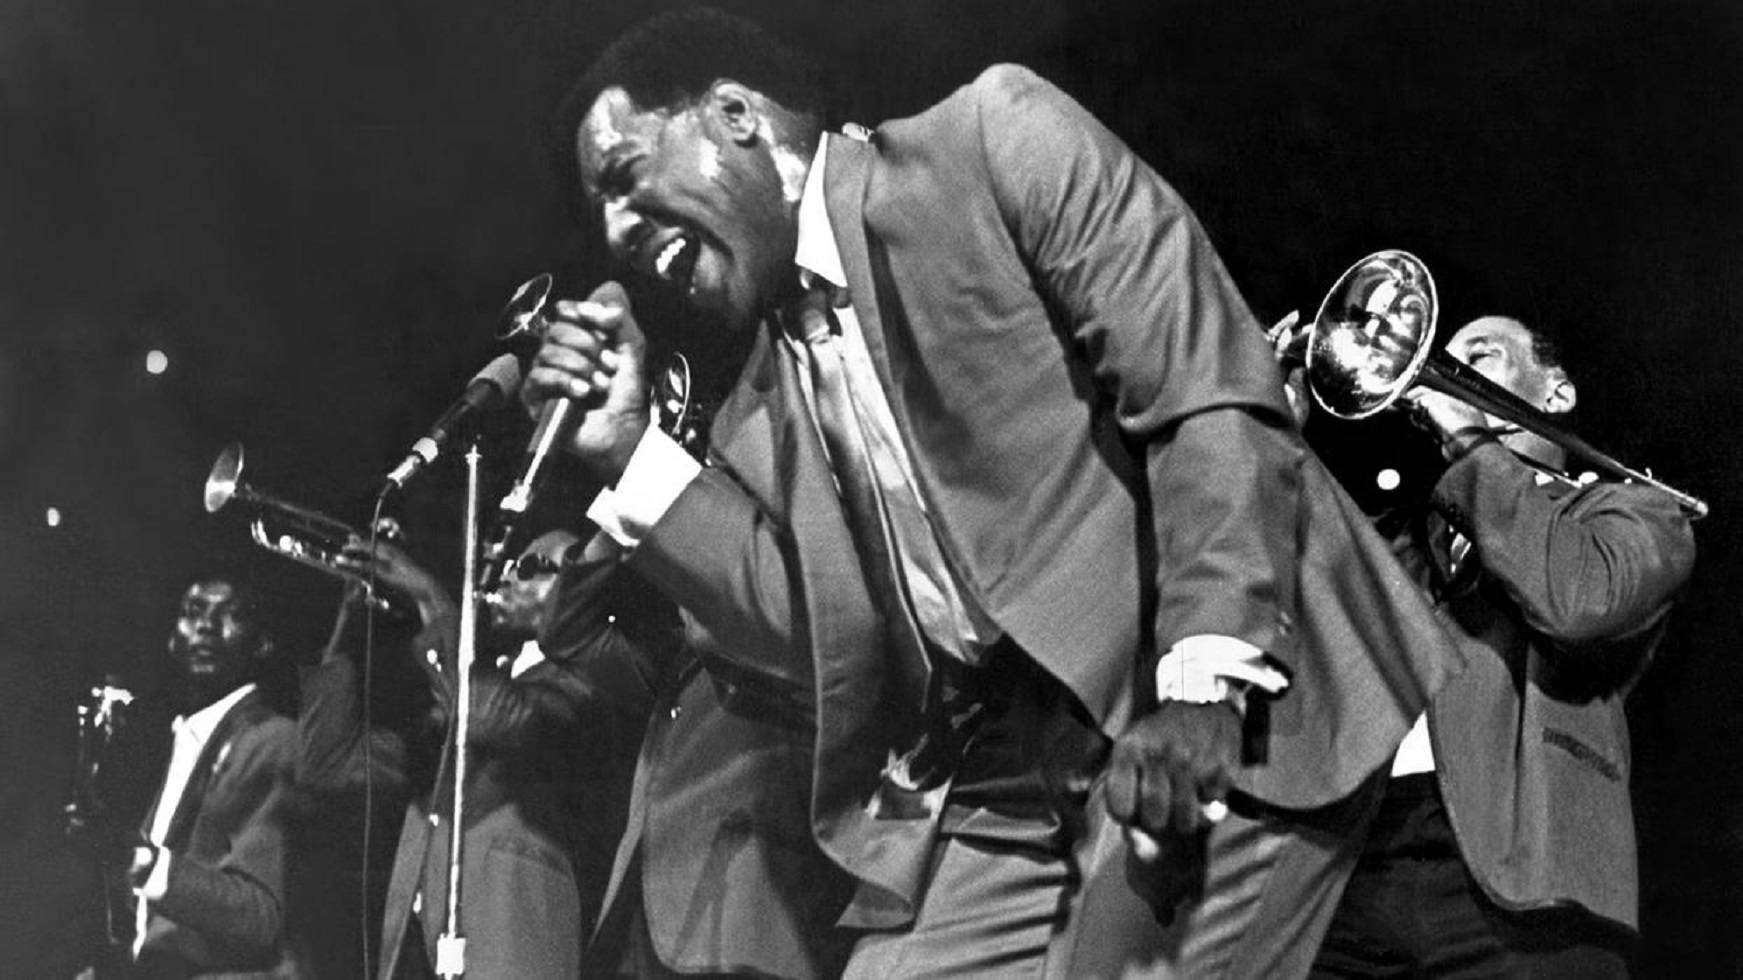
(1493, 331)
(602, 129)
(612, 127)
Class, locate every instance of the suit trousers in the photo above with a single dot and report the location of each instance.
(1001, 869)
(1256, 896)
(1412, 909)
(1249, 898)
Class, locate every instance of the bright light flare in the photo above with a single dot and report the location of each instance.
(156, 362)
(1388, 479)
(52, 517)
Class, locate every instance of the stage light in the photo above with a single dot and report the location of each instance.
(52, 517)
(156, 362)
(1388, 479)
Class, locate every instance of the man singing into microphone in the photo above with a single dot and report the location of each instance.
(1006, 493)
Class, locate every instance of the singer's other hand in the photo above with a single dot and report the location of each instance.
(594, 353)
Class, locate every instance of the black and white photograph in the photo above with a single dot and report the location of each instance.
(1145, 489)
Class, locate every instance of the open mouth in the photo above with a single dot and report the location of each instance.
(675, 263)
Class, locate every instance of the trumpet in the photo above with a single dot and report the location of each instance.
(1371, 341)
(305, 536)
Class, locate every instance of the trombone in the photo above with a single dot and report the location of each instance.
(1371, 342)
(305, 536)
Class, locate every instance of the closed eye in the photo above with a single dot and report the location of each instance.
(617, 179)
(1477, 352)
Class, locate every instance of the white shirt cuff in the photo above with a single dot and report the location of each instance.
(657, 473)
(156, 883)
(1206, 668)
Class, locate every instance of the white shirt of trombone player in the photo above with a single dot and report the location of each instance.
(1201, 668)
(1416, 753)
(191, 735)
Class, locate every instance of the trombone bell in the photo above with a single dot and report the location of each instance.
(1371, 342)
(1372, 334)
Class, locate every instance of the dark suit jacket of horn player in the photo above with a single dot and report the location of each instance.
(1059, 343)
(224, 912)
(549, 762)
(1560, 609)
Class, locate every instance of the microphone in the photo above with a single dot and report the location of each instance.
(555, 420)
(488, 388)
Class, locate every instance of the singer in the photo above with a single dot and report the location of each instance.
(1008, 489)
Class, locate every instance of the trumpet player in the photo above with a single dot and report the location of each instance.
(551, 744)
(1501, 841)
(210, 867)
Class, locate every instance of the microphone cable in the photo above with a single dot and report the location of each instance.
(364, 903)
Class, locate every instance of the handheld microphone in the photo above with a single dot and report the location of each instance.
(555, 420)
(494, 384)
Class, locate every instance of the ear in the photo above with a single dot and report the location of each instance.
(265, 647)
(1562, 394)
(735, 108)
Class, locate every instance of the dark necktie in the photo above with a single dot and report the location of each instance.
(811, 321)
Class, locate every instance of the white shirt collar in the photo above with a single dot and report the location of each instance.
(529, 656)
(817, 254)
(202, 723)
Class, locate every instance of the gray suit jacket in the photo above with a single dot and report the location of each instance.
(1096, 420)
(718, 849)
(1560, 611)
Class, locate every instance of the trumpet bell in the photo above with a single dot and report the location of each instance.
(221, 482)
(301, 534)
(1372, 334)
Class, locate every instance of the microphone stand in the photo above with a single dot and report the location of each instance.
(451, 945)
(88, 817)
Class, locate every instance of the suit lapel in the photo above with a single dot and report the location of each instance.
(742, 434)
(845, 181)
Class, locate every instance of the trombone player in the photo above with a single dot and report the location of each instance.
(1501, 841)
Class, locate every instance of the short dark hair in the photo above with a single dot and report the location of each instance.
(1547, 352)
(1546, 349)
(245, 593)
(670, 60)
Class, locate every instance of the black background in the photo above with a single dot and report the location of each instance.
(316, 209)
